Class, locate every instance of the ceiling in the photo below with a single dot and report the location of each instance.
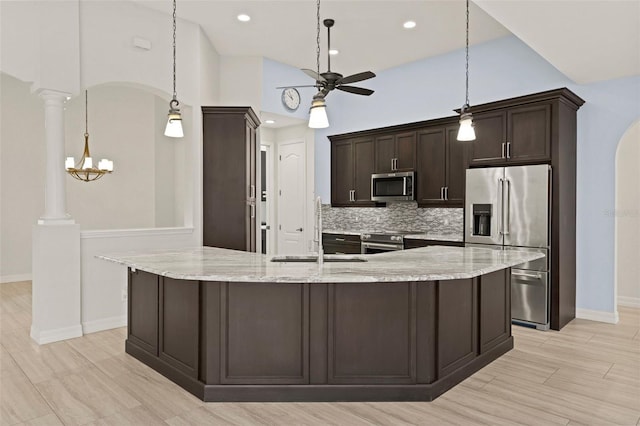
(587, 40)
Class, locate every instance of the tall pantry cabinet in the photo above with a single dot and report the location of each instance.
(229, 152)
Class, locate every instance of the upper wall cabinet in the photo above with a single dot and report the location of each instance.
(352, 164)
(515, 135)
(396, 152)
(440, 168)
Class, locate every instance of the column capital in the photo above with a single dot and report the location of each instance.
(50, 95)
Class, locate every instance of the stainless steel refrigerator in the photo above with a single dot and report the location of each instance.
(508, 208)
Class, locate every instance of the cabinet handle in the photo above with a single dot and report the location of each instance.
(503, 155)
(340, 239)
(508, 149)
(442, 192)
(252, 208)
(446, 193)
(252, 191)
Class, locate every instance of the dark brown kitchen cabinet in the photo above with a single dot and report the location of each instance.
(352, 163)
(516, 135)
(340, 243)
(395, 152)
(410, 243)
(440, 168)
(229, 177)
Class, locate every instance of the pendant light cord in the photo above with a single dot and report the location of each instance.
(466, 103)
(318, 38)
(86, 113)
(174, 52)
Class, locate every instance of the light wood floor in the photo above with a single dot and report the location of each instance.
(589, 373)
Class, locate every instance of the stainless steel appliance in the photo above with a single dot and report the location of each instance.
(393, 186)
(508, 208)
(381, 242)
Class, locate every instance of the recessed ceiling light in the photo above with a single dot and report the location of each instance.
(334, 52)
(409, 24)
(270, 121)
(244, 17)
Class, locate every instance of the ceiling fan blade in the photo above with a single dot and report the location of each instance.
(287, 87)
(314, 75)
(356, 90)
(356, 77)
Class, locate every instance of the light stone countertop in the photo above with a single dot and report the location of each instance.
(421, 264)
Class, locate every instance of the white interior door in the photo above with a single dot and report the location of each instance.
(291, 197)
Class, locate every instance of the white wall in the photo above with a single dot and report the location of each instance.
(627, 216)
(241, 81)
(21, 175)
(122, 125)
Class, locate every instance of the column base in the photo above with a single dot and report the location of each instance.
(56, 308)
(50, 336)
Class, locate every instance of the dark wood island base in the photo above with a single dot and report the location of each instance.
(386, 341)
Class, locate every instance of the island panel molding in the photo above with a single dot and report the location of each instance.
(306, 340)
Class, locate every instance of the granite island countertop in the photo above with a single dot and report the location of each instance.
(421, 264)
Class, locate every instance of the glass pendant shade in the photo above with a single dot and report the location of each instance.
(318, 114)
(466, 131)
(174, 126)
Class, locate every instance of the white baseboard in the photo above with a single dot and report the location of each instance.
(104, 324)
(632, 302)
(15, 278)
(600, 316)
(50, 336)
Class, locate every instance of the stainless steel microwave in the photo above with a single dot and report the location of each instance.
(393, 186)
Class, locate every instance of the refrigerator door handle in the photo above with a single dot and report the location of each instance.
(500, 209)
(506, 206)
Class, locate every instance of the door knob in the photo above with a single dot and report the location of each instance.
(299, 229)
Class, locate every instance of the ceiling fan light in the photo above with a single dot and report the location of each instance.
(466, 131)
(318, 114)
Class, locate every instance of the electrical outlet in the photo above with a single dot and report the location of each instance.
(123, 295)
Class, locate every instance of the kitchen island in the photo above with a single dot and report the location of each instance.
(401, 326)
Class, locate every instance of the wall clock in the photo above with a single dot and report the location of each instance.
(290, 98)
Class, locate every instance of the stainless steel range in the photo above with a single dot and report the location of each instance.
(382, 242)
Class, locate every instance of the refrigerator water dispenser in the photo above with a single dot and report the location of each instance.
(482, 219)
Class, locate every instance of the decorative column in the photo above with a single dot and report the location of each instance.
(55, 192)
(56, 242)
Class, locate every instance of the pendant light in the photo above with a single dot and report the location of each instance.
(174, 121)
(466, 131)
(318, 112)
(84, 170)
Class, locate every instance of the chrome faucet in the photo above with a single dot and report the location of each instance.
(318, 229)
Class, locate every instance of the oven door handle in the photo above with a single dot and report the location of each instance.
(382, 246)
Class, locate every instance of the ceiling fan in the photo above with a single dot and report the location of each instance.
(329, 80)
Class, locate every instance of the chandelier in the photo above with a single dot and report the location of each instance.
(84, 169)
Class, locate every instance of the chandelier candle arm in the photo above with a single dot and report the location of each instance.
(174, 119)
(84, 169)
(466, 131)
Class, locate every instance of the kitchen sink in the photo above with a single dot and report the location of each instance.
(311, 258)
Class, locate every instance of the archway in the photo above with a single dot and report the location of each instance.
(627, 218)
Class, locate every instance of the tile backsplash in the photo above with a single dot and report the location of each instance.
(396, 216)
